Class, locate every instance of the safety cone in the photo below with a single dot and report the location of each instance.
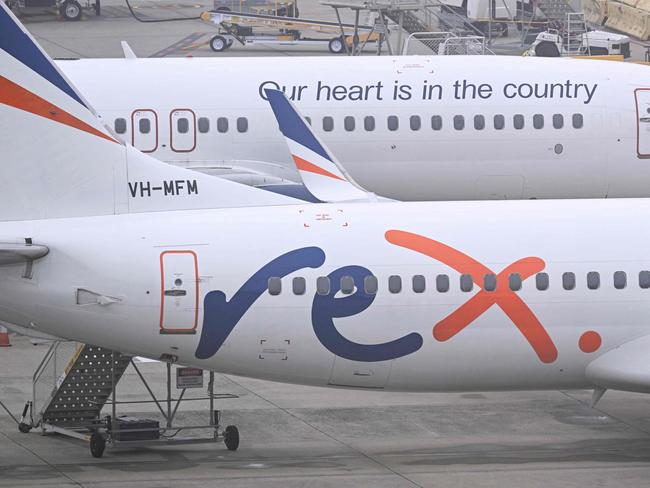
(4, 337)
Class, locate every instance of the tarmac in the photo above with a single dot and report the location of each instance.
(316, 437)
(302, 436)
(161, 32)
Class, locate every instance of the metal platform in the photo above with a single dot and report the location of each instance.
(75, 382)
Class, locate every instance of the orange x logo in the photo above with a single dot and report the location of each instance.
(511, 304)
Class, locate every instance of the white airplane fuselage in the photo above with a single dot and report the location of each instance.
(409, 128)
(166, 285)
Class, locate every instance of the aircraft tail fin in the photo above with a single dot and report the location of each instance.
(319, 169)
(58, 159)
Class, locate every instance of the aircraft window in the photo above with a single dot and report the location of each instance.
(558, 121)
(442, 283)
(577, 121)
(620, 280)
(415, 122)
(275, 286)
(466, 283)
(348, 123)
(369, 123)
(479, 122)
(370, 285)
(204, 125)
(644, 279)
(145, 126)
(568, 280)
(419, 284)
(459, 122)
(120, 126)
(499, 122)
(518, 121)
(541, 281)
(393, 122)
(183, 125)
(222, 124)
(328, 124)
(490, 282)
(514, 281)
(323, 285)
(394, 284)
(593, 280)
(242, 124)
(299, 286)
(308, 119)
(538, 121)
(436, 122)
(347, 284)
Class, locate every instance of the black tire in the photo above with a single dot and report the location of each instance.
(231, 438)
(219, 43)
(223, 9)
(24, 428)
(70, 10)
(547, 49)
(97, 445)
(336, 45)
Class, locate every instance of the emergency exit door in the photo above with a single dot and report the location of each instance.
(182, 135)
(179, 297)
(144, 130)
(642, 96)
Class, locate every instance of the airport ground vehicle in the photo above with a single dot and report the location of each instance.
(67, 9)
(554, 43)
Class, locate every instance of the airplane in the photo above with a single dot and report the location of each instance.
(407, 127)
(358, 293)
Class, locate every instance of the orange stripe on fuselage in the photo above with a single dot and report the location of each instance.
(16, 96)
(303, 165)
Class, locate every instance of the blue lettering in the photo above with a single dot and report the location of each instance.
(221, 316)
(326, 307)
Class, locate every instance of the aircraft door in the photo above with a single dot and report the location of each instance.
(642, 96)
(144, 130)
(179, 296)
(182, 135)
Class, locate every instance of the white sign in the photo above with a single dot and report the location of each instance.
(189, 378)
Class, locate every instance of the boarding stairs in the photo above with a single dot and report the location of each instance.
(74, 382)
(429, 15)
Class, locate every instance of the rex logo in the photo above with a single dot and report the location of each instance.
(222, 316)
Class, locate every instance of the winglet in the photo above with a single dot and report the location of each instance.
(320, 171)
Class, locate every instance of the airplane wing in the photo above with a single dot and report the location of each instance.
(321, 172)
(625, 367)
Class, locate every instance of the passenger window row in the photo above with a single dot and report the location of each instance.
(458, 122)
(369, 123)
(466, 283)
(183, 125)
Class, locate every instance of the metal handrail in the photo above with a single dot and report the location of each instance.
(41, 366)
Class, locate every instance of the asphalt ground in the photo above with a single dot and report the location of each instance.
(159, 35)
(316, 437)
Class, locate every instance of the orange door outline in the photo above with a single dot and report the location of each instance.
(191, 330)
